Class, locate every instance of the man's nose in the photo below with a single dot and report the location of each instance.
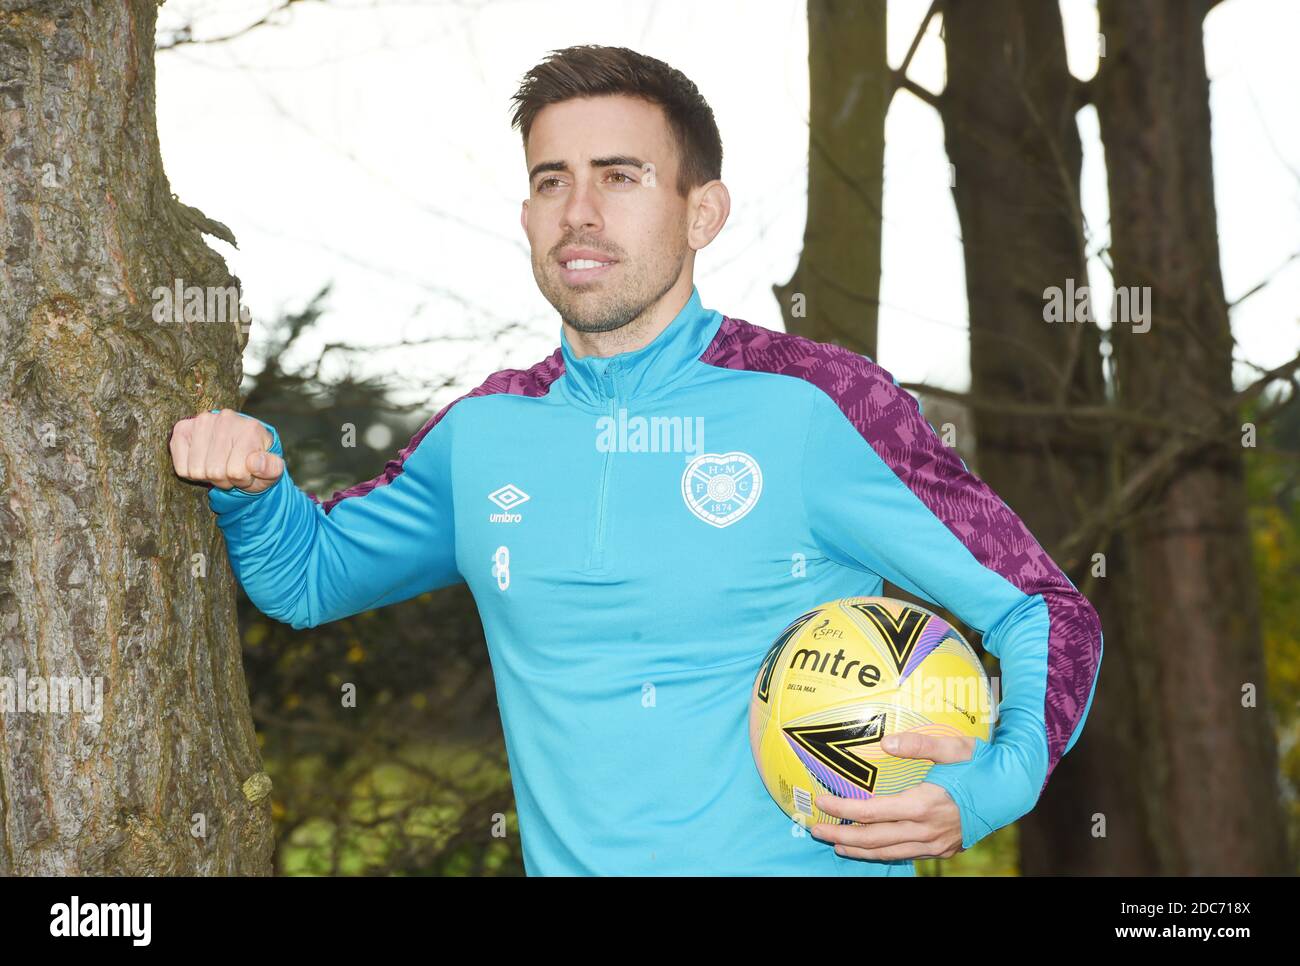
(582, 210)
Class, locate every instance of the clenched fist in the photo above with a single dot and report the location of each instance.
(225, 449)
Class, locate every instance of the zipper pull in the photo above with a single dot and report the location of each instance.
(612, 375)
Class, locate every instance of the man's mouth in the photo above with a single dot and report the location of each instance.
(576, 271)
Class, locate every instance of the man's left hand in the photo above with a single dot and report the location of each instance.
(920, 823)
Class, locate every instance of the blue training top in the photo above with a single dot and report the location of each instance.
(636, 530)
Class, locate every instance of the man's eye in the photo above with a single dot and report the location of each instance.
(626, 179)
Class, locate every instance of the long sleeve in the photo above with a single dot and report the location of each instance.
(884, 495)
(376, 543)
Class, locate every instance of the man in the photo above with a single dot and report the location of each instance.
(628, 591)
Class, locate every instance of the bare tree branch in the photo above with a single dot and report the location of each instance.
(1107, 413)
(1157, 469)
(916, 89)
(900, 79)
(916, 40)
(1263, 283)
(184, 36)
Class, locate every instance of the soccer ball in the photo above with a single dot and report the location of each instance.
(843, 676)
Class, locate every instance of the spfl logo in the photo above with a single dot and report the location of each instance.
(721, 488)
(507, 498)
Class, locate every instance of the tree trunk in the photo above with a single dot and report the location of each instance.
(1010, 131)
(834, 294)
(111, 568)
(1208, 768)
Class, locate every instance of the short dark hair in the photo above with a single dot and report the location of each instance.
(590, 70)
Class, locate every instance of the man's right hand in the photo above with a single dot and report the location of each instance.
(226, 450)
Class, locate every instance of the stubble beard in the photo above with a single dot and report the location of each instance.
(602, 307)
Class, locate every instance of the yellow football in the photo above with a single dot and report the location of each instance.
(843, 676)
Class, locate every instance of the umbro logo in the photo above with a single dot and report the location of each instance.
(507, 498)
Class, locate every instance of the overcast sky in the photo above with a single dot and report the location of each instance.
(370, 144)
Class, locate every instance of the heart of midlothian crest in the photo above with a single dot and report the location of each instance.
(721, 488)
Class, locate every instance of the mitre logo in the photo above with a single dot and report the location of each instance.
(507, 498)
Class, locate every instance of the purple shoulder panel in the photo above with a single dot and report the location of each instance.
(533, 381)
(890, 420)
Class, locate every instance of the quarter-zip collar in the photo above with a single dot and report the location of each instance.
(593, 381)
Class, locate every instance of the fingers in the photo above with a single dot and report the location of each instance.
(263, 470)
(189, 445)
(179, 444)
(239, 466)
(210, 453)
(917, 823)
(878, 835)
(269, 468)
(217, 448)
(886, 841)
(905, 850)
(940, 749)
(248, 447)
(881, 808)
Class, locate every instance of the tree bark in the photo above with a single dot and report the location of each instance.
(1010, 131)
(838, 275)
(111, 567)
(1209, 773)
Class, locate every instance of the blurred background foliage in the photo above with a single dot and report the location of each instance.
(413, 780)
(1273, 485)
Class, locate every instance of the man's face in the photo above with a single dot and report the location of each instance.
(624, 209)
